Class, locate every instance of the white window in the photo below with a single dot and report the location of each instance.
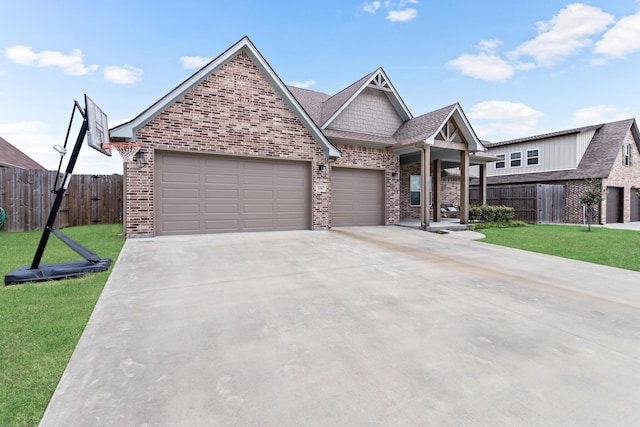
(516, 159)
(414, 189)
(500, 163)
(533, 157)
(626, 154)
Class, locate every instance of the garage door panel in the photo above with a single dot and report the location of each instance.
(182, 226)
(258, 180)
(180, 193)
(221, 208)
(221, 193)
(220, 179)
(230, 194)
(180, 209)
(221, 225)
(357, 197)
(174, 177)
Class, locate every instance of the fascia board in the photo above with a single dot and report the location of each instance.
(474, 142)
(398, 100)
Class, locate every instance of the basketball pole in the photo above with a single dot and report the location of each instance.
(60, 191)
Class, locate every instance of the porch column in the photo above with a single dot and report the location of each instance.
(464, 187)
(482, 185)
(437, 198)
(425, 171)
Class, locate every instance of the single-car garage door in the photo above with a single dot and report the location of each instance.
(200, 193)
(357, 197)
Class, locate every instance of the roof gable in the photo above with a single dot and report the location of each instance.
(127, 131)
(604, 147)
(332, 107)
(10, 156)
(425, 128)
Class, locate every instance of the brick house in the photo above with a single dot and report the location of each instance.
(232, 148)
(607, 152)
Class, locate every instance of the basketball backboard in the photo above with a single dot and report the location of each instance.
(98, 132)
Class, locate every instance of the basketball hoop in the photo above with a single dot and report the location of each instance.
(127, 150)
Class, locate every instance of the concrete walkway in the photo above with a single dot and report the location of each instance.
(370, 326)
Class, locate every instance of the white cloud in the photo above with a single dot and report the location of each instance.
(304, 85)
(371, 7)
(564, 35)
(402, 15)
(190, 62)
(504, 118)
(32, 138)
(622, 39)
(122, 75)
(485, 65)
(70, 64)
(598, 114)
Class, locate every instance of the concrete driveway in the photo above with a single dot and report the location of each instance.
(373, 326)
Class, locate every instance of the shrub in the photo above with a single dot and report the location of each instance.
(507, 224)
(491, 213)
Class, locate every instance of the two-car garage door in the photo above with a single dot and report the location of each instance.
(199, 193)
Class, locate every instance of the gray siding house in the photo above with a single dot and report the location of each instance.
(608, 152)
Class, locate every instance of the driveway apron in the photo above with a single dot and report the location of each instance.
(363, 326)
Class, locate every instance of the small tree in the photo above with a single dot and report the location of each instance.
(590, 197)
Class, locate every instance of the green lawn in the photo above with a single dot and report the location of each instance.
(617, 248)
(41, 323)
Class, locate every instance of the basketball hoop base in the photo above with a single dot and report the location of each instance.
(55, 271)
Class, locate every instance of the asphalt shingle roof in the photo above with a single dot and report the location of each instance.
(12, 157)
(421, 127)
(333, 104)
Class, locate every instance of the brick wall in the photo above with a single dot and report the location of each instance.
(573, 210)
(627, 177)
(449, 191)
(375, 158)
(233, 111)
(371, 112)
(406, 210)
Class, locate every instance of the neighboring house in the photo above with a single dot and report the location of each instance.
(232, 148)
(11, 157)
(608, 152)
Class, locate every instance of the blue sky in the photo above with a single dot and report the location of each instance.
(517, 68)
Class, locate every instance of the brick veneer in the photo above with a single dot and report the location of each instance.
(235, 111)
(449, 191)
(626, 177)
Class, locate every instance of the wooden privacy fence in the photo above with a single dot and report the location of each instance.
(26, 197)
(532, 203)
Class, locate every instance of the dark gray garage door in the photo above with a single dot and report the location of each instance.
(615, 199)
(199, 193)
(357, 197)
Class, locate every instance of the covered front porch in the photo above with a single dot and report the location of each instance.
(435, 172)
